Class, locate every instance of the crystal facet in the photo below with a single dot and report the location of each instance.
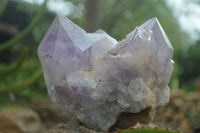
(95, 78)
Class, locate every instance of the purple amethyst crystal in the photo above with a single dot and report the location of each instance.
(95, 78)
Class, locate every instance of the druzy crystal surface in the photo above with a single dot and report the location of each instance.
(96, 78)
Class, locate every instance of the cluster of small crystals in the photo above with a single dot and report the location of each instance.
(95, 78)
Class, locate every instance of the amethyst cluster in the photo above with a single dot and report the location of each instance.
(97, 79)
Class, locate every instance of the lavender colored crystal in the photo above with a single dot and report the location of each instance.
(95, 78)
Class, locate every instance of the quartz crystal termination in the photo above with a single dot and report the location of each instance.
(102, 83)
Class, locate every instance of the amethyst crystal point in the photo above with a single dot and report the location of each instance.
(103, 83)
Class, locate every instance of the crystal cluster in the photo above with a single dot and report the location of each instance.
(97, 79)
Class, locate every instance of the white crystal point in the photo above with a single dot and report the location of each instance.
(99, 81)
(164, 51)
(66, 43)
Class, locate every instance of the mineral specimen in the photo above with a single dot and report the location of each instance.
(102, 83)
